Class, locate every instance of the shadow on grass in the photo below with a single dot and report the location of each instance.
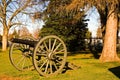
(115, 71)
(78, 52)
(95, 53)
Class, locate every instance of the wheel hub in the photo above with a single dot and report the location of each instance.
(26, 53)
(50, 56)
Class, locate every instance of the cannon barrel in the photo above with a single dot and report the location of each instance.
(24, 41)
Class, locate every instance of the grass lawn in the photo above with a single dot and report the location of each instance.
(91, 69)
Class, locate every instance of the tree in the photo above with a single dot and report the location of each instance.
(10, 13)
(108, 10)
(72, 34)
(9, 9)
(88, 34)
(99, 32)
(36, 33)
(15, 34)
(23, 31)
(109, 49)
(65, 26)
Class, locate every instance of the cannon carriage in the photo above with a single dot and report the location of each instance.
(47, 55)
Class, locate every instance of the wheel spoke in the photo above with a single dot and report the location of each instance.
(59, 60)
(49, 44)
(45, 46)
(46, 68)
(28, 63)
(39, 50)
(55, 66)
(57, 47)
(53, 44)
(41, 61)
(41, 54)
(61, 51)
(51, 67)
(43, 64)
(23, 63)
(20, 61)
(16, 58)
(21, 47)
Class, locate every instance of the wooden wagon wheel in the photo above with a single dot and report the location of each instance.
(49, 56)
(20, 55)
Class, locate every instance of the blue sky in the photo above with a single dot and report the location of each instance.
(25, 19)
(92, 15)
(94, 23)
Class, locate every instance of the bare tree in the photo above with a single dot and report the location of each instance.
(23, 31)
(99, 32)
(36, 33)
(9, 9)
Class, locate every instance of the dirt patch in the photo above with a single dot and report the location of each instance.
(5, 77)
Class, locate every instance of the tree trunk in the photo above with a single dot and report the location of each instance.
(4, 39)
(109, 53)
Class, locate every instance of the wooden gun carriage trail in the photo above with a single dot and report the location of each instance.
(47, 55)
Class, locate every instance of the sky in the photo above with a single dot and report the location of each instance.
(26, 19)
(92, 15)
(94, 20)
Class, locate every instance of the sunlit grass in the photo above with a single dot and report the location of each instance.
(91, 69)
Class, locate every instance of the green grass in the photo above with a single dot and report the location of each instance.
(91, 69)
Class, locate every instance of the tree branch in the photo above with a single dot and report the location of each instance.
(28, 13)
(1, 11)
(16, 24)
(1, 21)
(18, 11)
(9, 2)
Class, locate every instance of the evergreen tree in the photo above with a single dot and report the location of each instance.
(66, 26)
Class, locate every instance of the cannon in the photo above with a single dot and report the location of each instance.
(46, 55)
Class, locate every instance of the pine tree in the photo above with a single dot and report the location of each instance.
(72, 31)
